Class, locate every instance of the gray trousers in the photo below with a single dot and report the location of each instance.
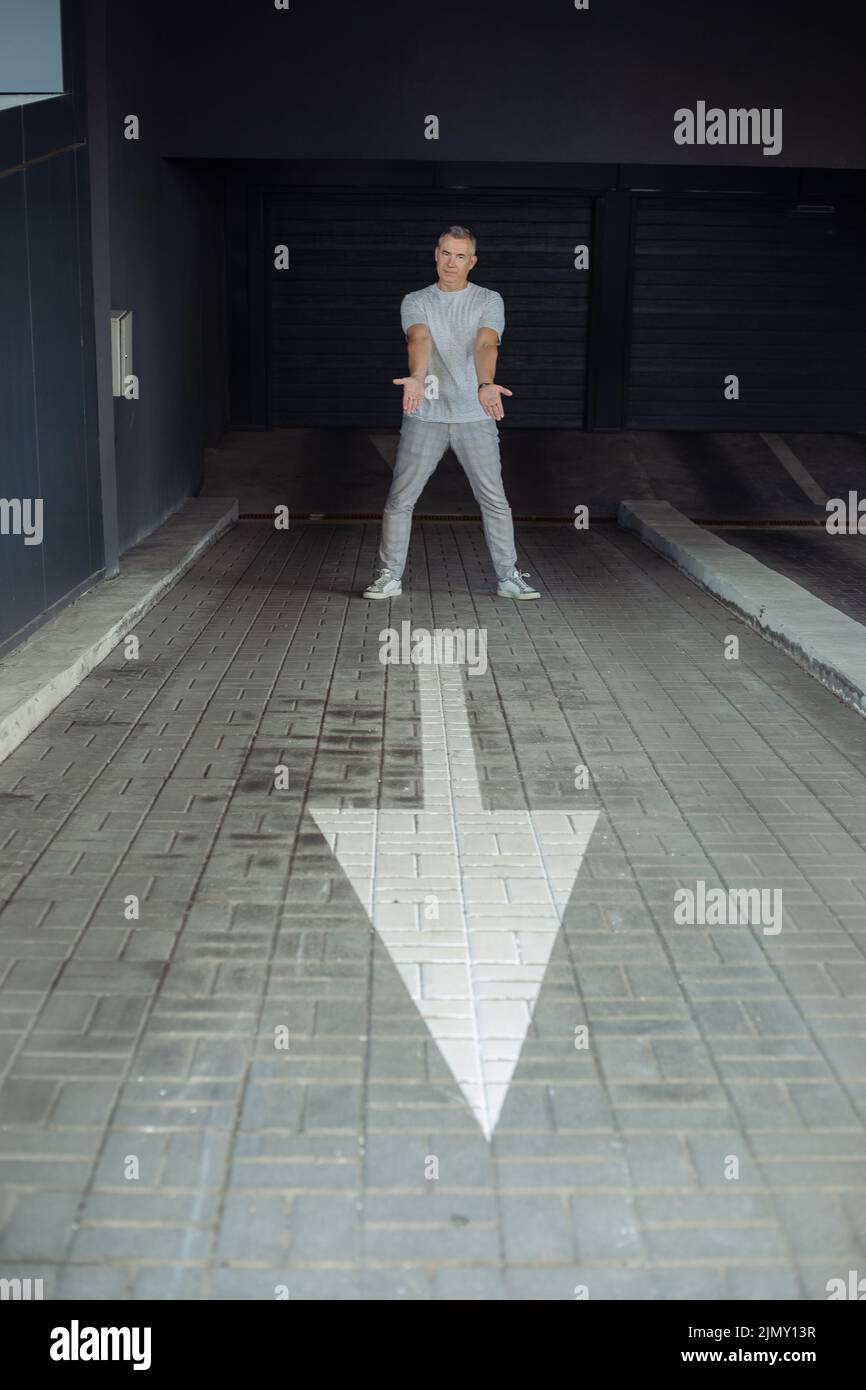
(422, 444)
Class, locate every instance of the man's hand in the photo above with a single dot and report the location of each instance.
(491, 400)
(413, 392)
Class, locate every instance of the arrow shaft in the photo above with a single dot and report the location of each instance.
(450, 783)
(450, 774)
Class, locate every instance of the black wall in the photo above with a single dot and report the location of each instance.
(163, 252)
(509, 81)
(167, 267)
(765, 288)
(48, 435)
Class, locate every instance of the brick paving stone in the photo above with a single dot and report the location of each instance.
(479, 1284)
(168, 1282)
(766, 1283)
(107, 1282)
(154, 1036)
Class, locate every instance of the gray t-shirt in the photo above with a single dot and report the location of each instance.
(454, 318)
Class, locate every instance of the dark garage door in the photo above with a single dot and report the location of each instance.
(335, 340)
(753, 286)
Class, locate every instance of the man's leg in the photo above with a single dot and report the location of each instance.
(476, 444)
(422, 444)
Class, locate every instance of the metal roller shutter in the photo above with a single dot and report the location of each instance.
(335, 340)
(752, 286)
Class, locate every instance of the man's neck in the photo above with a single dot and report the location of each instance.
(452, 289)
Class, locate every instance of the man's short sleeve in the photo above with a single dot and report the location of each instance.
(412, 311)
(493, 313)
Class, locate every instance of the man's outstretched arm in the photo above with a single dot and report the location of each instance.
(486, 353)
(420, 346)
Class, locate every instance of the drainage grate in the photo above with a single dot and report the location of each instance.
(333, 517)
(449, 517)
(799, 521)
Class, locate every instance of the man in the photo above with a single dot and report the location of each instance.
(453, 331)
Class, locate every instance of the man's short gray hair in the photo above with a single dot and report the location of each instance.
(462, 233)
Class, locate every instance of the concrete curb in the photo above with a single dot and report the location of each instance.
(831, 646)
(39, 674)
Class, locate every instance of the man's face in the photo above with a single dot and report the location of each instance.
(454, 260)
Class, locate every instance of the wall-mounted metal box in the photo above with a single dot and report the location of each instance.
(121, 348)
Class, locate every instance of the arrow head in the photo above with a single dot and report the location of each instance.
(498, 883)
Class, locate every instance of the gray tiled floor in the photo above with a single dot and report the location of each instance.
(155, 1144)
(831, 567)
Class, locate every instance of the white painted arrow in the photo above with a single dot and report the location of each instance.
(500, 881)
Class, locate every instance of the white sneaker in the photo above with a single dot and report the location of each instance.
(515, 586)
(384, 586)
